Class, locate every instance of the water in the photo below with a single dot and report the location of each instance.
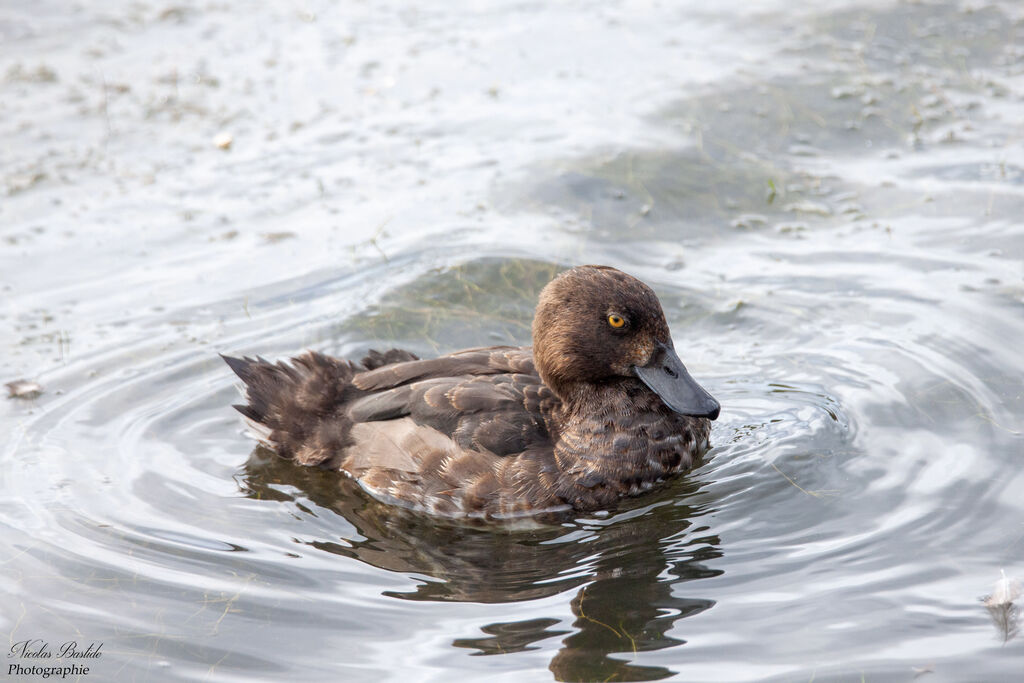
(828, 202)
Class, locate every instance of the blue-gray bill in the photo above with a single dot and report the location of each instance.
(666, 376)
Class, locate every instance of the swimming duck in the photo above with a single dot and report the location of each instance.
(600, 408)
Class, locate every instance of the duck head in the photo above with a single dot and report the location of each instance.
(594, 324)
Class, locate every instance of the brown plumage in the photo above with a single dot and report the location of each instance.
(599, 408)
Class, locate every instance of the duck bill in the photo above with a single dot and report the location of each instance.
(666, 376)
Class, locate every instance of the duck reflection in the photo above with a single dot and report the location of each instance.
(627, 571)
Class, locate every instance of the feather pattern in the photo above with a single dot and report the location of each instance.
(488, 432)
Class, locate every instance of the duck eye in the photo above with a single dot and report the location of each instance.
(616, 320)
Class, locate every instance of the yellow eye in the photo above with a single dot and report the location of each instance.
(616, 320)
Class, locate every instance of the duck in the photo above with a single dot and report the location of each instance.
(598, 409)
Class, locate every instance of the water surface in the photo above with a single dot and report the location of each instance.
(828, 202)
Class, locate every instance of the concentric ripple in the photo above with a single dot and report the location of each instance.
(827, 201)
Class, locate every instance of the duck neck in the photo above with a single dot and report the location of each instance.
(618, 439)
(607, 402)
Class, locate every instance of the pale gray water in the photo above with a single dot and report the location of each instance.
(829, 202)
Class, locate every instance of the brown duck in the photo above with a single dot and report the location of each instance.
(599, 409)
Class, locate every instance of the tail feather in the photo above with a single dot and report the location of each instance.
(297, 408)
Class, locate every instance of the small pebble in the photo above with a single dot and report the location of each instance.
(223, 140)
(22, 388)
